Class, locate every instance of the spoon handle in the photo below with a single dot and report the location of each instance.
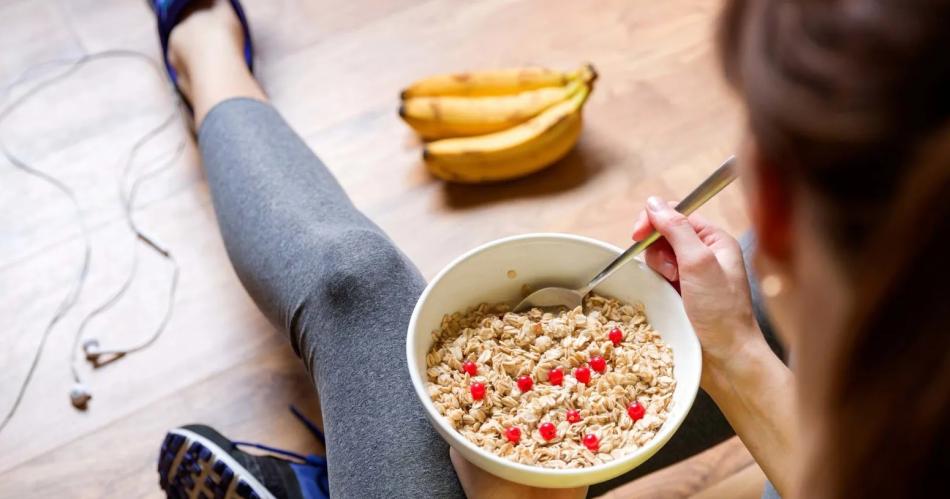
(717, 181)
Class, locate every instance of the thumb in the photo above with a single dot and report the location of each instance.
(676, 228)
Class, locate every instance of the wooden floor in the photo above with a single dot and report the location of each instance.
(659, 120)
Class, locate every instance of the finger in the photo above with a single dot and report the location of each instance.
(661, 259)
(658, 253)
(458, 462)
(663, 246)
(708, 232)
(642, 227)
(477, 482)
(689, 249)
(724, 246)
(700, 222)
(714, 236)
(467, 473)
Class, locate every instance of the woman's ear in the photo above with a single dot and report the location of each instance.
(770, 199)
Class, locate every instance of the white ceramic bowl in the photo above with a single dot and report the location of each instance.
(483, 275)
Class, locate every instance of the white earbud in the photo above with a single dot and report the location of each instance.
(79, 395)
(91, 348)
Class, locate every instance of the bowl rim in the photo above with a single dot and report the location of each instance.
(659, 440)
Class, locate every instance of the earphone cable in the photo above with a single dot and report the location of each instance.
(71, 297)
(128, 200)
(69, 301)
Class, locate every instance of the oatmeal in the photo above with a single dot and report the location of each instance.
(558, 390)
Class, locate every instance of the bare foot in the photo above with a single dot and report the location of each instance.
(208, 35)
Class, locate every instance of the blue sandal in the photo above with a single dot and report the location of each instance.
(169, 13)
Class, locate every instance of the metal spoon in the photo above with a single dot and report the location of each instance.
(571, 298)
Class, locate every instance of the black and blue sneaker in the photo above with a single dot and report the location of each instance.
(197, 462)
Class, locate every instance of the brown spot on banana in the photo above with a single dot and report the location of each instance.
(593, 73)
(560, 120)
(436, 110)
(515, 117)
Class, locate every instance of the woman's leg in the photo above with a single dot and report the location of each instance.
(319, 269)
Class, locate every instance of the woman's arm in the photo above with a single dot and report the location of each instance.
(755, 391)
(748, 382)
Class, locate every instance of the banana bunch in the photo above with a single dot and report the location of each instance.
(496, 125)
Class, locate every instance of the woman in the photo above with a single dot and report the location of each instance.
(845, 169)
(847, 174)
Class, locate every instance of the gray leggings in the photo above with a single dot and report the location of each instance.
(343, 292)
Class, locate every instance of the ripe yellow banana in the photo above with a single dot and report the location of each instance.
(452, 116)
(511, 153)
(490, 82)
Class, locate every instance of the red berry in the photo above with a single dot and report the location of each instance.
(573, 416)
(547, 431)
(615, 335)
(636, 411)
(525, 383)
(513, 434)
(582, 374)
(591, 442)
(598, 363)
(478, 390)
(556, 376)
(470, 368)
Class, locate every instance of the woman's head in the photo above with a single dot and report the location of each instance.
(847, 169)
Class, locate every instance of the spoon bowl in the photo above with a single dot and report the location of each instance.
(552, 297)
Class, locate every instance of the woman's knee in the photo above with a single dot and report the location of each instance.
(365, 264)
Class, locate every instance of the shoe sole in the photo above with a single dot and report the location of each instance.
(191, 466)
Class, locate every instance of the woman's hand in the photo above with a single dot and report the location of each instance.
(479, 483)
(707, 265)
(748, 382)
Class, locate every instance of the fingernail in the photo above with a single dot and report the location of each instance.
(655, 203)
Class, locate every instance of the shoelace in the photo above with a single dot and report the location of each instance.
(318, 462)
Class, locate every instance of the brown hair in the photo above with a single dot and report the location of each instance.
(851, 100)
